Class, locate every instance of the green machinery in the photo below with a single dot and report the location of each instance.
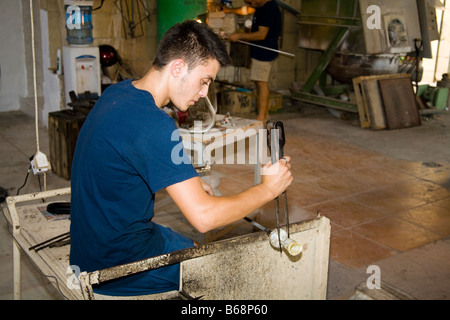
(374, 33)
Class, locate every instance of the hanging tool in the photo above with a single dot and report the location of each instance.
(275, 142)
(225, 37)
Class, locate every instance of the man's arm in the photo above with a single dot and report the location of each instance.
(243, 11)
(250, 36)
(206, 212)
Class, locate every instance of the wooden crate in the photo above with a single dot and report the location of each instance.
(370, 101)
(237, 103)
(63, 129)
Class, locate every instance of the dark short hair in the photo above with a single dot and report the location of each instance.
(193, 42)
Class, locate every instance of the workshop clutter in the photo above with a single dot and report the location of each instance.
(386, 101)
(241, 102)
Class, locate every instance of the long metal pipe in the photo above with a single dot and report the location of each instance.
(270, 49)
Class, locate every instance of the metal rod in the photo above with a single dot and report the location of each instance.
(45, 243)
(256, 224)
(270, 49)
(286, 212)
(277, 211)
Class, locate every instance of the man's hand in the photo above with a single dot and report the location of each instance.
(276, 178)
(235, 36)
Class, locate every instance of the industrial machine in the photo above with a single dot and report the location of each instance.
(362, 38)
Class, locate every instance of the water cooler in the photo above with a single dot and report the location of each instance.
(81, 60)
(81, 63)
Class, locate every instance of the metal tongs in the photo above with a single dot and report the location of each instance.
(275, 142)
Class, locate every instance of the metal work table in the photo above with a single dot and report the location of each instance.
(238, 260)
(29, 228)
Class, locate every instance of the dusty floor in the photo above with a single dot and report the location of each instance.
(387, 194)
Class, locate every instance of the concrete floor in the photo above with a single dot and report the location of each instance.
(387, 194)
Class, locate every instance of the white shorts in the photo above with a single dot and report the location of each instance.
(260, 70)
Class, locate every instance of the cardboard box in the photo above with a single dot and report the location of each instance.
(237, 102)
(275, 102)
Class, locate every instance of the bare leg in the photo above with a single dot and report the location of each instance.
(263, 93)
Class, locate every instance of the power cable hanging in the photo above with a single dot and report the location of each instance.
(39, 162)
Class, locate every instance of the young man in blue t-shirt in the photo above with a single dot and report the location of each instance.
(124, 156)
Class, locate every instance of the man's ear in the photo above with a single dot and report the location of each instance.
(177, 67)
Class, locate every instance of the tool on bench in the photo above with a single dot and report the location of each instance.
(57, 241)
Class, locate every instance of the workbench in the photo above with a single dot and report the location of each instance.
(30, 227)
(224, 269)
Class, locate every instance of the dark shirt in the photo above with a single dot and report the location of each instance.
(268, 15)
(127, 150)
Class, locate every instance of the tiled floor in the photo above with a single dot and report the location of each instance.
(385, 210)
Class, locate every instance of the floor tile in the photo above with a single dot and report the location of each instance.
(346, 213)
(354, 251)
(423, 272)
(420, 189)
(387, 201)
(302, 194)
(414, 168)
(396, 233)
(342, 184)
(445, 203)
(431, 217)
(309, 170)
(441, 178)
(379, 176)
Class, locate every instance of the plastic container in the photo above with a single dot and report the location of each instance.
(79, 25)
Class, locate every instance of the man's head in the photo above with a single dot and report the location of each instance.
(192, 55)
(192, 42)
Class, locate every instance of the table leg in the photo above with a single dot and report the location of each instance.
(16, 271)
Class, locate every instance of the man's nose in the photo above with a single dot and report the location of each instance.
(204, 91)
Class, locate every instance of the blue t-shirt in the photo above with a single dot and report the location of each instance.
(124, 155)
(268, 15)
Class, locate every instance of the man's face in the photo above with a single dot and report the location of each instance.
(194, 84)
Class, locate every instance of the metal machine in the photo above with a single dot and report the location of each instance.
(361, 38)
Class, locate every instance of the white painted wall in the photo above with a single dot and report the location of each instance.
(13, 81)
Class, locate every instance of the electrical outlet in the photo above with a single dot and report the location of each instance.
(39, 163)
